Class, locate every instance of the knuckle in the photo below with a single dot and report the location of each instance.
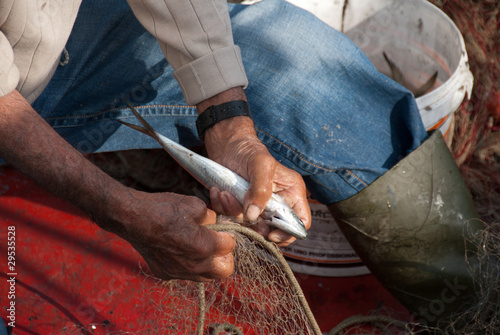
(261, 189)
(199, 206)
(268, 161)
(205, 250)
(295, 174)
(203, 246)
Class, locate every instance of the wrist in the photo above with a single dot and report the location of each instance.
(232, 94)
(109, 206)
(224, 133)
(218, 113)
(235, 127)
(225, 126)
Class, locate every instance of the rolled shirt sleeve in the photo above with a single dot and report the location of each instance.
(9, 73)
(32, 38)
(196, 38)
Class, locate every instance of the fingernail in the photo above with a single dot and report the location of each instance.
(253, 213)
(214, 193)
(224, 199)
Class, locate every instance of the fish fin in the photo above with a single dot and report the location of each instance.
(146, 129)
(427, 86)
(396, 73)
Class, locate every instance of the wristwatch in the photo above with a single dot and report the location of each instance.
(215, 114)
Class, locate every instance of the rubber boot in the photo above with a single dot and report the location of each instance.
(412, 228)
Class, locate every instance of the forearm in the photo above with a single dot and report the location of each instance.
(227, 130)
(165, 228)
(35, 149)
(232, 94)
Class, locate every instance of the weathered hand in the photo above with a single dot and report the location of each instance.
(167, 230)
(234, 144)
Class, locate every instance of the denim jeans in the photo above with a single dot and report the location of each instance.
(317, 102)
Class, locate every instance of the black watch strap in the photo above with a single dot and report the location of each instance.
(214, 114)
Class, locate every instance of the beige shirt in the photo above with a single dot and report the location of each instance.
(195, 36)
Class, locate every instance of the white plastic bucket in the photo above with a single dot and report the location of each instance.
(421, 40)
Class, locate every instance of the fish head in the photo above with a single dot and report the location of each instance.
(287, 220)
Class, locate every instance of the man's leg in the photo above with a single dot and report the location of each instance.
(413, 228)
(319, 104)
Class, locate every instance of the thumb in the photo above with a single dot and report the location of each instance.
(261, 186)
(224, 243)
(223, 261)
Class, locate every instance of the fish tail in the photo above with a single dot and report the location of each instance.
(135, 127)
(146, 129)
(427, 86)
(396, 73)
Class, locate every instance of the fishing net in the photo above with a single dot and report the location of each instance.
(482, 316)
(261, 297)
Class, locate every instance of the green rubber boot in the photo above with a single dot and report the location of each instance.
(410, 228)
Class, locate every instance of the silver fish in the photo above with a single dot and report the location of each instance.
(211, 174)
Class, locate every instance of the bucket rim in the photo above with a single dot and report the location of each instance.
(452, 91)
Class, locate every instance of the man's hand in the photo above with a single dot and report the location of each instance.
(168, 231)
(234, 144)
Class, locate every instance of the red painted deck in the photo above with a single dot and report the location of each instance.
(71, 277)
